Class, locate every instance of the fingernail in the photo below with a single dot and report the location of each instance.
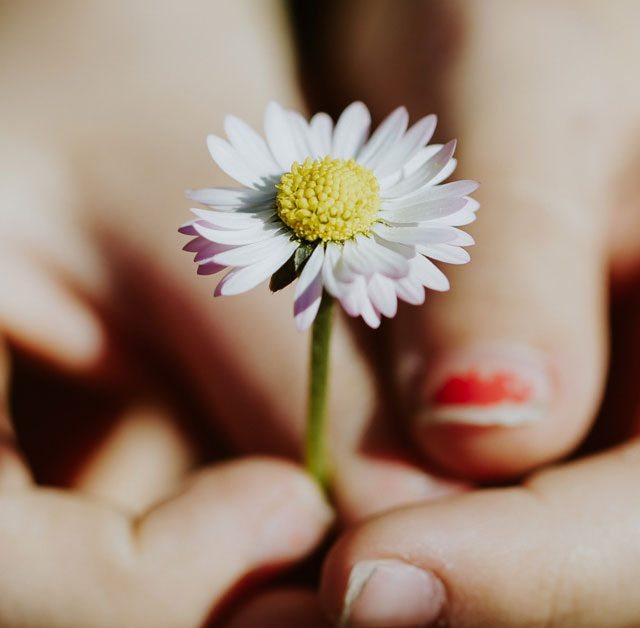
(487, 386)
(391, 593)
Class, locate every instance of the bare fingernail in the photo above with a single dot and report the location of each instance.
(487, 385)
(391, 593)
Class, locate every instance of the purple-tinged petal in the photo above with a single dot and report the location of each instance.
(309, 290)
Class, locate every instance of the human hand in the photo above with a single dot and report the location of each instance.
(129, 535)
(366, 481)
(117, 528)
(559, 549)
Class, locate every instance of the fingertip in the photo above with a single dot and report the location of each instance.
(391, 592)
(46, 317)
(495, 410)
(364, 487)
(248, 512)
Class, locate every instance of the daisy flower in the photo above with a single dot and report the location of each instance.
(355, 217)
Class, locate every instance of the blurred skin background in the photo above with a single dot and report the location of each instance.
(124, 384)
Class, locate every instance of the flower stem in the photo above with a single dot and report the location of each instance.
(317, 462)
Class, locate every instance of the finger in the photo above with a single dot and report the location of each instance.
(68, 559)
(144, 456)
(514, 355)
(368, 484)
(44, 316)
(372, 467)
(560, 551)
(286, 608)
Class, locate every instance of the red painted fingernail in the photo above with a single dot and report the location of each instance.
(487, 385)
(474, 388)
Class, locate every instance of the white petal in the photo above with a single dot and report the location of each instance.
(356, 302)
(234, 220)
(321, 131)
(342, 271)
(332, 255)
(351, 131)
(366, 257)
(459, 219)
(389, 181)
(383, 295)
(424, 174)
(446, 172)
(302, 133)
(407, 251)
(465, 216)
(352, 296)
(384, 137)
(309, 290)
(415, 138)
(280, 136)
(357, 260)
(455, 189)
(444, 253)
(370, 315)
(232, 198)
(472, 205)
(415, 234)
(247, 277)
(421, 158)
(249, 254)
(231, 162)
(423, 211)
(461, 238)
(410, 290)
(428, 274)
(250, 146)
(238, 236)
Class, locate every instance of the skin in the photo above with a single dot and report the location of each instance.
(91, 191)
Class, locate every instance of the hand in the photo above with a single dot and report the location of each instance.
(554, 153)
(135, 538)
(131, 535)
(104, 519)
(559, 549)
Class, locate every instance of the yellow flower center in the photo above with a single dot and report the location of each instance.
(330, 199)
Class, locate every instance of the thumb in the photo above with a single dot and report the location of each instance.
(561, 550)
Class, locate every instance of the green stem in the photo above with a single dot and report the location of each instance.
(316, 455)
